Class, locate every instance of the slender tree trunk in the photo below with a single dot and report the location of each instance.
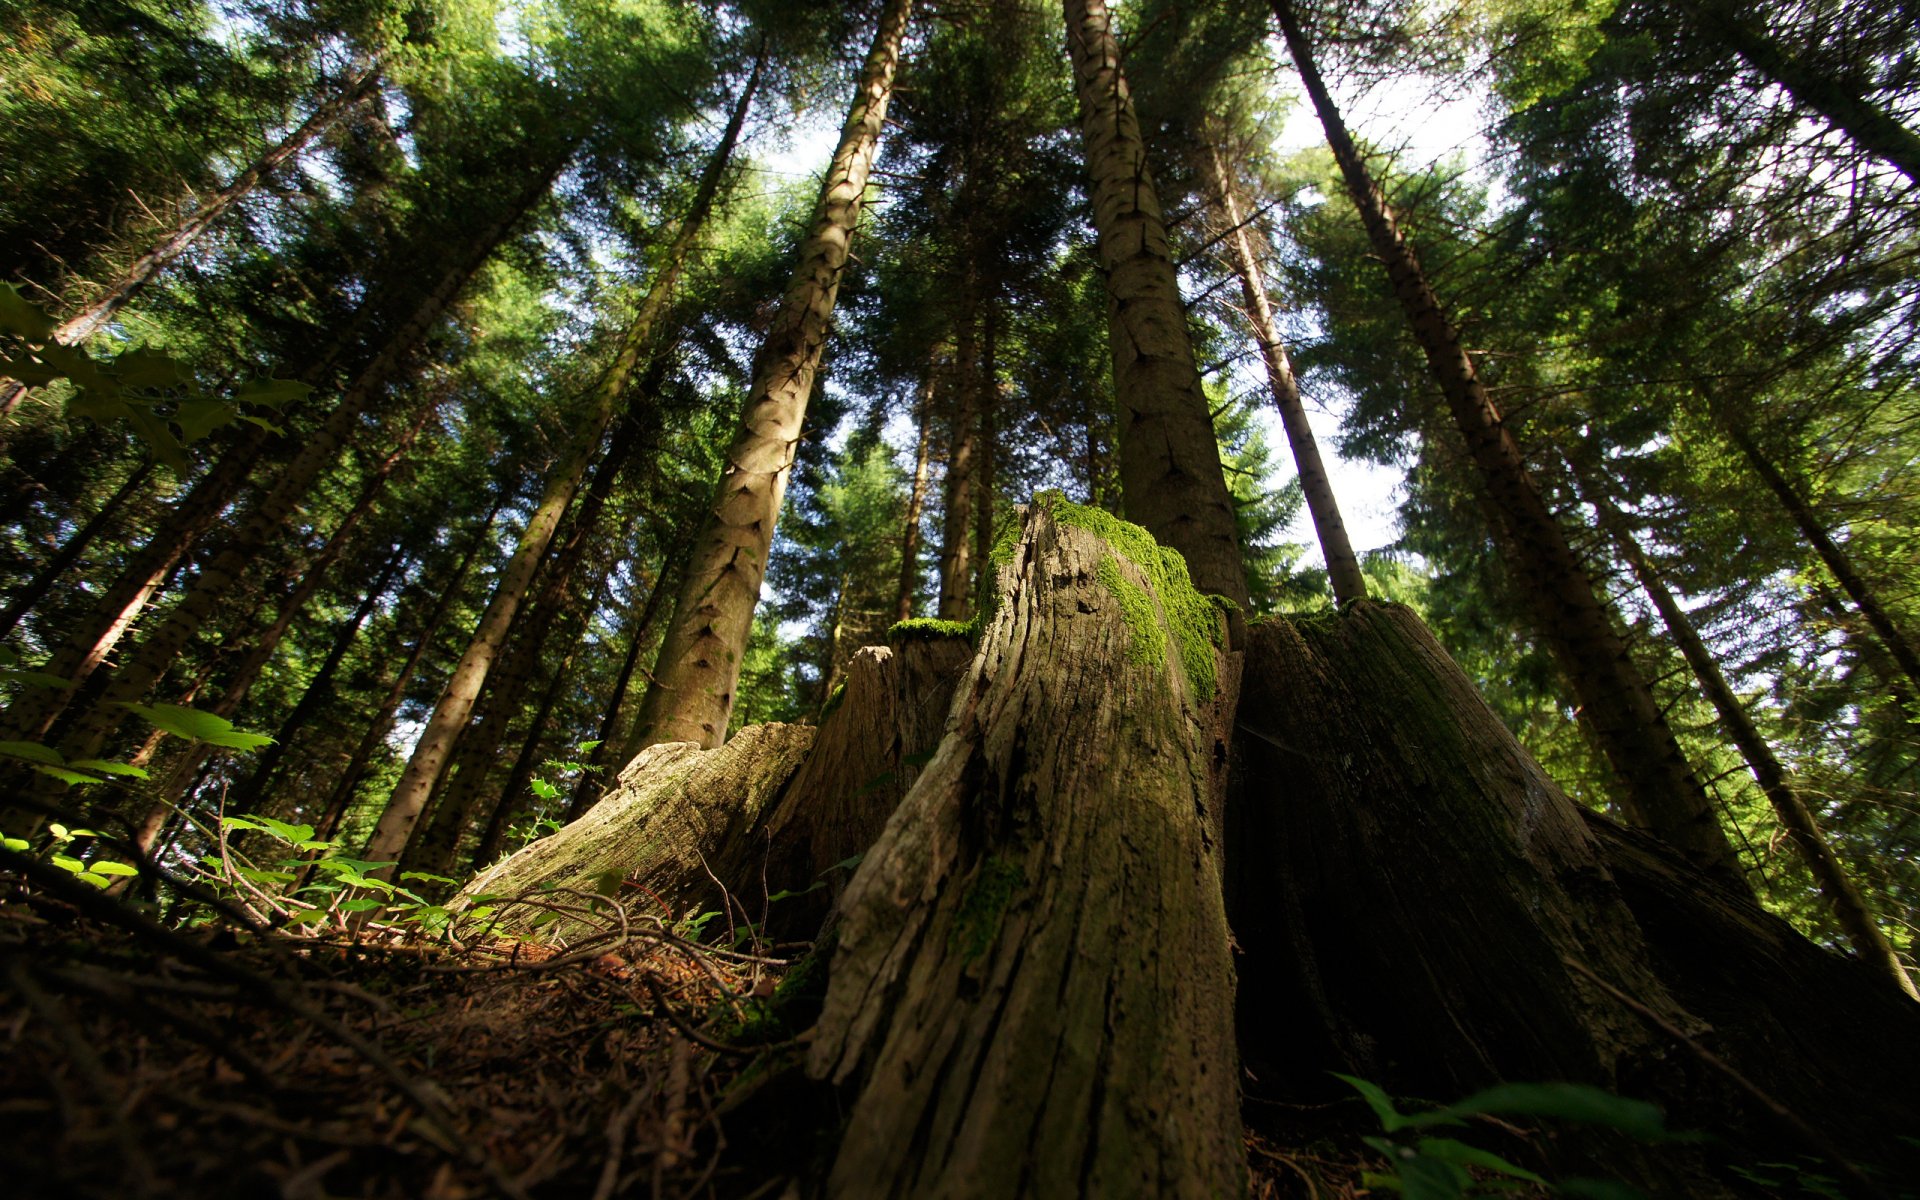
(319, 689)
(1838, 562)
(699, 665)
(450, 715)
(958, 491)
(264, 526)
(146, 268)
(341, 795)
(1872, 128)
(1849, 906)
(36, 589)
(639, 635)
(1661, 791)
(1169, 456)
(906, 597)
(984, 484)
(1343, 566)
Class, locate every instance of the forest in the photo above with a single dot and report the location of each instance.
(750, 598)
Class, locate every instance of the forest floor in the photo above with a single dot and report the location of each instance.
(147, 1061)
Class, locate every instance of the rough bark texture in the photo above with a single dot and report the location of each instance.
(1421, 906)
(648, 839)
(1031, 990)
(1661, 791)
(690, 828)
(1343, 566)
(1169, 457)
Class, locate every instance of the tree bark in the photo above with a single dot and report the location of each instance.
(699, 664)
(148, 266)
(984, 482)
(1849, 907)
(1031, 992)
(423, 770)
(1169, 456)
(1661, 791)
(1898, 646)
(587, 791)
(907, 596)
(957, 486)
(1872, 128)
(36, 589)
(1343, 566)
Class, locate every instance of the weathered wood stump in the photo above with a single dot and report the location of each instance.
(1032, 989)
(771, 811)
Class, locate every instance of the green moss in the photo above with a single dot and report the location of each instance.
(978, 921)
(1195, 620)
(834, 698)
(928, 628)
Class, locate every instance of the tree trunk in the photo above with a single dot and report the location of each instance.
(146, 268)
(1420, 905)
(1343, 566)
(1169, 457)
(1872, 128)
(36, 589)
(699, 665)
(1849, 907)
(958, 491)
(984, 485)
(1892, 637)
(1032, 989)
(1661, 791)
(587, 791)
(907, 596)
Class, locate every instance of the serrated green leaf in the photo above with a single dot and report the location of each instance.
(349, 866)
(292, 834)
(186, 722)
(106, 866)
(429, 876)
(272, 393)
(22, 318)
(199, 416)
(363, 904)
(110, 768)
(261, 875)
(65, 776)
(543, 789)
(144, 367)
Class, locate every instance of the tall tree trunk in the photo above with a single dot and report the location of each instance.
(1661, 791)
(699, 665)
(1843, 897)
(907, 595)
(319, 689)
(1343, 566)
(266, 523)
(958, 491)
(1169, 456)
(639, 633)
(984, 483)
(50, 573)
(450, 715)
(330, 814)
(1841, 105)
(162, 254)
(1895, 641)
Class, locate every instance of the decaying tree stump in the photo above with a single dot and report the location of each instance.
(773, 810)
(1032, 991)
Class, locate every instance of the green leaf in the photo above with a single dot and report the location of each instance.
(272, 393)
(22, 318)
(143, 367)
(350, 866)
(201, 415)
(307, 916)
(363, 904)
(110, 768)
(15, 844)
(99, 881)
(784, 894)
(45, 679)
(32, 752)
(260, 875)
(543, 789)
(107, 866)
(588, 747)
(1567, 1101)
(187, 722)
(65, 776)
(1460, 1154)
(429, 876)
(1391, 1118)
(292, 834)
(848, 863)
